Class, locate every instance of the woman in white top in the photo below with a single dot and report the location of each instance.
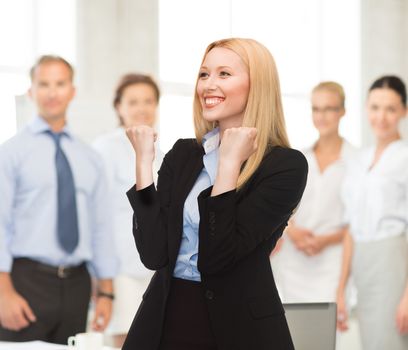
(375, 247)
(136, 101)
(308, 264)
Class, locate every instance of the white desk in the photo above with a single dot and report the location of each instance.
(37, 345)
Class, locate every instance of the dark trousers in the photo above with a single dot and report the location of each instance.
(187, 324)
(58, 298)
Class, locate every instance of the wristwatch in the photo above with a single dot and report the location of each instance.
(101, 294)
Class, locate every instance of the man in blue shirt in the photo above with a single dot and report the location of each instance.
(54, 221)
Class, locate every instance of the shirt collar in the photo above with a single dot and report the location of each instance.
(211, 140)
(345, 150)
(38, 125)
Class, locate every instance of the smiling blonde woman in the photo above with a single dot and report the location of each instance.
(221, 203)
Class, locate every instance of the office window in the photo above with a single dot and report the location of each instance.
(308, 40)
(29, 28)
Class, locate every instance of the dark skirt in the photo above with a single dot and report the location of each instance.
(187, 324)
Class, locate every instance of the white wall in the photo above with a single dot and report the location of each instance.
(118, 36)
(384, 48)
(113, 37)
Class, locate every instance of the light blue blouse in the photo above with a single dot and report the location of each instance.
(186, 264)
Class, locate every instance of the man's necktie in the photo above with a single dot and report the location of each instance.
(67, 220)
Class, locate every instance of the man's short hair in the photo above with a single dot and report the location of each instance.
(50, 59)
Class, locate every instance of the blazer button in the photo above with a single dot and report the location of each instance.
(209, 294)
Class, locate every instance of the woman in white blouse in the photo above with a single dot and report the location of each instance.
(308, 264)
(375, 247)
(136, 101)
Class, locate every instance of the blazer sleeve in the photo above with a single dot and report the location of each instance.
(150, 215)
(232, 229)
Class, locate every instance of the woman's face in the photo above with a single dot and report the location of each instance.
(223, 87)
(385, 110)
(138, 105)
(327, 110)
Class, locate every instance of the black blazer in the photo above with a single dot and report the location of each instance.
(237, 232)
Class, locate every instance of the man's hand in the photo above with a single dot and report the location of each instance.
(103, 304)
(15, 313)
(103, 312)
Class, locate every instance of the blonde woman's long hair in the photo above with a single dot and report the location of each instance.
(263, 110)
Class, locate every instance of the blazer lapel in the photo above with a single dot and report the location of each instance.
(191, 173)
(184, 184)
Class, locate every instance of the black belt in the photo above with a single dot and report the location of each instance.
(61, 271)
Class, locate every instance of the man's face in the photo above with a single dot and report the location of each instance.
(52, 90)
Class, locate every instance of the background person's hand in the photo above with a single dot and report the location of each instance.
(278, 246)
(402, 316)
(103, 312)
(315, 244)
(300, 237)
(15, 313)
(342, 316)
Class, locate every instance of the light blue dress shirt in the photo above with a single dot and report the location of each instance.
(186, 264)
(28, 205)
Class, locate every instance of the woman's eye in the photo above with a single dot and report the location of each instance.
(203, 75)
(224, 74)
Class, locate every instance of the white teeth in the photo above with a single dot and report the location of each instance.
(213, 100)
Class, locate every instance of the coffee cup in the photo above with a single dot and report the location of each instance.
(86, 341)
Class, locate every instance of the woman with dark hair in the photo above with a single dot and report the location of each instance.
(136, 100)
(375, 247)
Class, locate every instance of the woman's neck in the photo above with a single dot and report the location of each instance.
(381, 146)
(328, 144)
(383, 143)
